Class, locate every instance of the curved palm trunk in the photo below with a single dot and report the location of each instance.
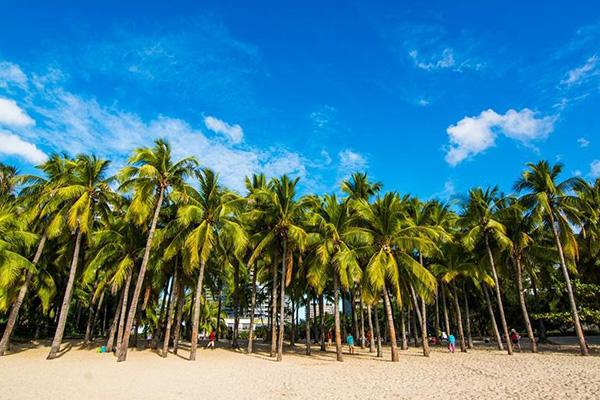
(499, 296)
(307, 312)
(370, 321)
(578, 330)
(161, 316)
(250, 349)
(362, 320)
(524, 305)
(14, 311)
(92, 321)
(468, 319)
(91, 312)
(390, 322)
(378, 332)
(236, 305)
(322, 321)
(492, 318)
(196, 318)
(177, 329)
(140, 279)
(170, 313)
(64, 310)
(354, 314)
(461, 333)
(336, 311)
(424, 335)
(282, 303)
(110, 343)
(437, 314)
(274, 310)
(121, 332)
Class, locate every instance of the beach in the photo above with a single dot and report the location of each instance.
(555, 373)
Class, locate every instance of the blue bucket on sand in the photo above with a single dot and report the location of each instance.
(103, 349)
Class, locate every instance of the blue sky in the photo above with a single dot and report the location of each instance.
(430, 99)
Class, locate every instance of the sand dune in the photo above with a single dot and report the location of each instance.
(227, 374)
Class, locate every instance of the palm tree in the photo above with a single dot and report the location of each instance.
(333, 253)
(84, 197)
(285, 213)
(209, 217)
(39, 213)
(391, 238)
(553, 203)
(151, 173)
(9, 180)
(482, 223)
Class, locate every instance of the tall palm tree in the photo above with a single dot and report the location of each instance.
(84, 197)
(482, 224)
(285, 213)
(553, 202)
(391, 239)
(151, 174)
(9, 180)
(39, 212)
(210, 214)
(333, 253)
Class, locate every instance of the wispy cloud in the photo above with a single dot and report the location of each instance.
(583, 72)
(583, 142)
(234, 133)
(351, 161)
(473, 135)
(11, 74)
(595, 169)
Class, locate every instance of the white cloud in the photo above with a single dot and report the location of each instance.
(443, 60)
(11, 74)
(595, 169)
(11, 114)
(473, 135)
(13, 145)
(577, 75)
(423, 102)
(351, 161)
(583, 142)
(234, 133)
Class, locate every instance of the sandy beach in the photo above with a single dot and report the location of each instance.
(227, 374)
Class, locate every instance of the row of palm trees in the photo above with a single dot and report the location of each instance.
(153, 244)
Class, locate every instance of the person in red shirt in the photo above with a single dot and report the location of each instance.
(211, 339)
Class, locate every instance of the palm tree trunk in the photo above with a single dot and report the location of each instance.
(445, 306)
(219, 309)
(499, 296)
(91, 311)
(354, 314)
(378, 332)
(94, 317)
(252, 309)
(517, 260)
(140, 279)
(110, 343)
(163, 306)
(403, 333)
(121, 332)
(461, 333)
(492, 317)
(370, 322)
(171, 312)
(196, 318)
(362, 321)
(64, 310)
(307, 312)
(179, 316)
(415, 332)
(236, 305)
(390, 323)
(322, 321)
(437, 314)
(468, 319)
(293, 325)
(274, 308)
(282, 303)
(336, 312)
(578, 330)
(424, 334)
(14, 311)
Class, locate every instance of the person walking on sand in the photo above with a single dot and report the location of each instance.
(515, 338)
(350, 341)
(451, 343)
(444, 337)
(369, 338)
(329, 338)
(211, 340)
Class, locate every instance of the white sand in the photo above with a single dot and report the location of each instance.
(225, 374)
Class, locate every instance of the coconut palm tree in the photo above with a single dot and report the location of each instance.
(333, 254)
(209, 217)
(482, 224)
(285, 215)
(391, 243)
(151, 175)
(553, 203)
(84, 197)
